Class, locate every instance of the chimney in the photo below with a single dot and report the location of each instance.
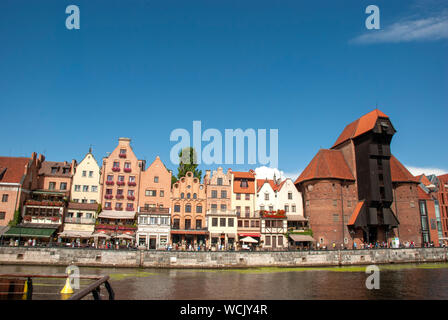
(124, 141)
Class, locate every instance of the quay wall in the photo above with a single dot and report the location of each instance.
(238, 259)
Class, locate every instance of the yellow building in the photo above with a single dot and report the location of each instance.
(86, 181)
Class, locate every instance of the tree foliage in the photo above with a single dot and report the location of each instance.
(188, 162)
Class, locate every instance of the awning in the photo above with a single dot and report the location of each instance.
(301, 238)
(256, 235)
(101, 235)
(3, 229)
(29, 232)
(75, 234)
(249, 240)
(295, 217)
(124, 236)
(117, 214)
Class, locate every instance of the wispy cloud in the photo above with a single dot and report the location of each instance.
(264, 172)
(416, 171)
(429, 28)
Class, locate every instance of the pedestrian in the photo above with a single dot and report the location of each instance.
(354, 245)
(334, 245)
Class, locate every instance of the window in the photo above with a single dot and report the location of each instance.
(238, 211)
(156, 179)
(198, 209)
(230, 222)
(127, 165)
(107, 205)
(84, 173)
(150, 193)
(271, 208)
(130, 206)
(162, 193)
(176, 223)
(293, 208)
(219, 181)
(246, 223)
(335, 203)
(286, 208)
(266, 196)
(289, 195)
(85, 188)
(257, 223)
(195, 196)
(108, 191)
(153, 220)
(5, 198)
(84, 200)
(252, 224)
(247, 196)
(131, 193)
(54, 169)
(164, 220)
(116, 164)
(223, 208)
(307, 203)
(261, 208)
(268, 240)
(94, 188)
(77, 187)
(247, 211)
(240, 223)
(214, 207)
(121, 178)
(223, 194)
(131, 178)
(349, 203)
(238, 196)
(214, 194)
(176, 208)
(188, 208)
(110, 178)
(182, 195)
(244, 183)
(188, 195)
(122, 151)
(335, 217)
(119, 191)
(90, 174)
(280, 241)
(52, 185)
(222, 222)
(198, 224)
(214, 222)
(92, 201)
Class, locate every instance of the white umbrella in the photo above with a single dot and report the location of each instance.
(249, 240)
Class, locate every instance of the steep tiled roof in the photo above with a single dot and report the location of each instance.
(399, 173)
(327, 164)
(245, 175)
(423, 179)
(12, 169)
(422, 194)
(261, 182)
(47, 165)
(360, 126)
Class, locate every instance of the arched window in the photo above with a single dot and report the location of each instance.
(188, 195)
(195, 196)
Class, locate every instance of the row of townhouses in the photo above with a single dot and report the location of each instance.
(355, 192)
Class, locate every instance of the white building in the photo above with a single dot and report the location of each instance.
(153, 227)
(86, 181)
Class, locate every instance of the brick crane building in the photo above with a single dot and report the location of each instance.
(357, 191)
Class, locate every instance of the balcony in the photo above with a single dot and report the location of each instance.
(116, 169)
(127, 170)
(131, 198)
(154, 210)
(120, 183)
(122, 155)
(119, 196)
(129, 208)
(108, 196)
(132, 183)
(118, 208)
(44, 203)
(79, 220)
(110, 183)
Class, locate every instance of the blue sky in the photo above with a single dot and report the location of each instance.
(141, 69)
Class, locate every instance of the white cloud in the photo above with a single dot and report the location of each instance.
(416, 171)
(429, 28)
(266, 172)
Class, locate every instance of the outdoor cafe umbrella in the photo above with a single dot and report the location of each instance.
(249, 240)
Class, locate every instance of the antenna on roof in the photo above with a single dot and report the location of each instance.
(90, 148)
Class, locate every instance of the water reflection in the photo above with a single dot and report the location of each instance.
(407, 282)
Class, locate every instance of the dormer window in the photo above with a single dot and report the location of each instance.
(54, 169)
(244, 183)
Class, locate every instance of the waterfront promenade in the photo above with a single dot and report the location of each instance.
(209, 259)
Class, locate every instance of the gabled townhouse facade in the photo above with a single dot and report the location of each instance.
(188, 219)
(154, 207)
(244, 203)
(18, 177)
(221, 218)
(86, 181)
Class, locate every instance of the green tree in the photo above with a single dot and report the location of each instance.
(16, 220)
(188, 162)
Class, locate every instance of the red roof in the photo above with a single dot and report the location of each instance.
(327, 164)
(355, 213)
(261, 182)
(399, 172)
(243, 175)
(362, 125)
(423, 179)
(422, 194)
(14, 169)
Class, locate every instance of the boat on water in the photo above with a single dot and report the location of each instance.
(55, 287)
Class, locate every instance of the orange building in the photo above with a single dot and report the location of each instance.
(189, 202)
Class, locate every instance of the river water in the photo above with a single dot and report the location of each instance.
(407, 281)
